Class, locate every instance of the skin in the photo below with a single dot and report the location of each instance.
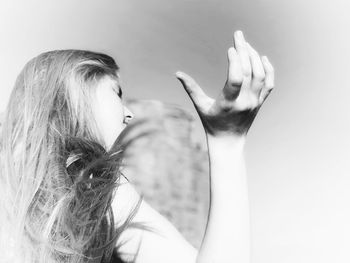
(110, 114)
(226, 121)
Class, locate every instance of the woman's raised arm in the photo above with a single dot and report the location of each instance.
(226, 121)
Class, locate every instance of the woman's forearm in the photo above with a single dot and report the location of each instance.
(226, 120)
(227, 236)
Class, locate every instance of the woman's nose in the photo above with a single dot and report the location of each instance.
(128, 115)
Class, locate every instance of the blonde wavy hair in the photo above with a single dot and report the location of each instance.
(56, 176)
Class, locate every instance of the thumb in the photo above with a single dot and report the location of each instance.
(193, 90)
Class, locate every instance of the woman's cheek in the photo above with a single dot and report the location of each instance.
(109, 114)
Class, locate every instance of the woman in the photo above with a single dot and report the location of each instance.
(60, 164)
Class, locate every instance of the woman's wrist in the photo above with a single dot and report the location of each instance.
(226, 142)
(226, 159)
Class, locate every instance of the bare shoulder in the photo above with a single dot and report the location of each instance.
(159, 241)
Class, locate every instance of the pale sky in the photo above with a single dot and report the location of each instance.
(298, 148)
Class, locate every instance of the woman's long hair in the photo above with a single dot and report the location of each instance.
(57, 180)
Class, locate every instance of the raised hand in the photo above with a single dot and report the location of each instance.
(250, 79)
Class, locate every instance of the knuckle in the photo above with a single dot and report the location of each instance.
(231, 51)
(259, 76)
(247, 72)
(231, 54)
(235, 81)
(234, 85)
(225, 105)
(192, 84)
(241, 44)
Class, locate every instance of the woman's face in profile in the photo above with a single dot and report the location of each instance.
(110, 113)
